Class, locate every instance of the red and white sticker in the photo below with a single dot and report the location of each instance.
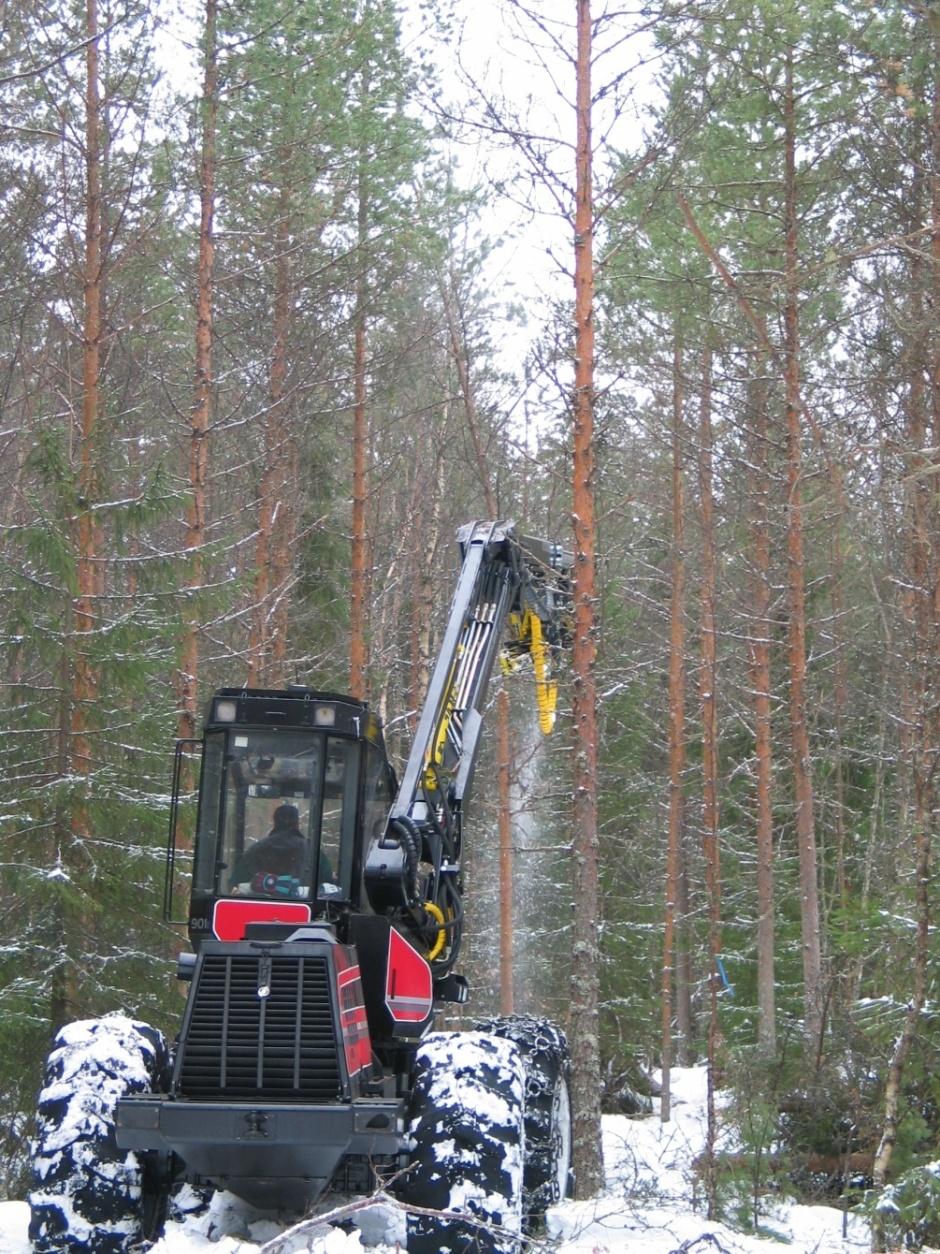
(409, 990)
(352, 1019)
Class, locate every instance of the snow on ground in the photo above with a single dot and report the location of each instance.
(652, 1205)
(654, 1201)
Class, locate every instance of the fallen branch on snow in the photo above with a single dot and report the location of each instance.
(319, 1225)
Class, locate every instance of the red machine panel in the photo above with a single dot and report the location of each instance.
(230, 918)
(409, 990)
(352, 1017)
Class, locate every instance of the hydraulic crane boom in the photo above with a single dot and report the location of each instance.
(512, 594)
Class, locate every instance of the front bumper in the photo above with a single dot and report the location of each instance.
(274, 1156)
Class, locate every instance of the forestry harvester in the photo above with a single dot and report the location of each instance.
(325, 918)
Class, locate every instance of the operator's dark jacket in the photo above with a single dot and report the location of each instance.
(281, 852)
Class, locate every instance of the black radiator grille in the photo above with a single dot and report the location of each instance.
(281, 1047)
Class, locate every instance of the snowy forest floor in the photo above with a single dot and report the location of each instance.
(653, 1203)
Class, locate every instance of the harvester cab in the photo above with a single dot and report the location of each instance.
(291, 784)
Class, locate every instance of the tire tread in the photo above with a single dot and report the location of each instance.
(467, 1139)
(87, 1194)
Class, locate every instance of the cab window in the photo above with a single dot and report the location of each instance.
(277, 813)
(337, 831)
(378, 793)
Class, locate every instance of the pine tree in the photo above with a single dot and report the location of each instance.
(89, 616)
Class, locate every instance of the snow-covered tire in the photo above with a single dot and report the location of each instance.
(467, 1136)
(87, 1194)
(547, 1063)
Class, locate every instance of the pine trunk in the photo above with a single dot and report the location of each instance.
(585, 991)
(924, 563)
(200, 415)
(684, 1052)
(760, 650)
(458, 351)
(676, 728)
(802, 764)
(840, 690)
(358, 649)
(426, 508)
(504, 766)
(708, 678)
(63, 989)
(282, 532)
(84, 679)
(265, 655)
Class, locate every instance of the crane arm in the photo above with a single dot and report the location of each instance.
(511, 600)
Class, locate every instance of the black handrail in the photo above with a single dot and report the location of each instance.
(181, 746)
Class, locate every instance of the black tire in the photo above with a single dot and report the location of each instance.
(547, 1064)
(467, 1137)
(87, 1194)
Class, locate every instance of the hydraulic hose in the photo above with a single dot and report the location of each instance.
(407, 831)
(452, 906)
(441, 939)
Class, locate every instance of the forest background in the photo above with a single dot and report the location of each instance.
(253, 373)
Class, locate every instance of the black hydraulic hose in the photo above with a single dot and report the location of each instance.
(450, 900)
(447, 829)
(407, 831)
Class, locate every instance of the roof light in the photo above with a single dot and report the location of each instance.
(324, 715)
(225, 711)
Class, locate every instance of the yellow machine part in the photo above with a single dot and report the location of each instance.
(546, 690)
(527, 629)
(441, 939)
(435, 757)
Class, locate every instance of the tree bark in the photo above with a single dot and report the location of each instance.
(84, 677)
(426, 507)
(684, 1052)
(760, 651)
(924, 563)
(458, 351)
(840, 690)
(358, 649)
(585, 992)
(676, 727)
(708, 679)
(266, 651)
(201, 412)
(802, 764)
(282, 534)
(504, 767)
(63, 990)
